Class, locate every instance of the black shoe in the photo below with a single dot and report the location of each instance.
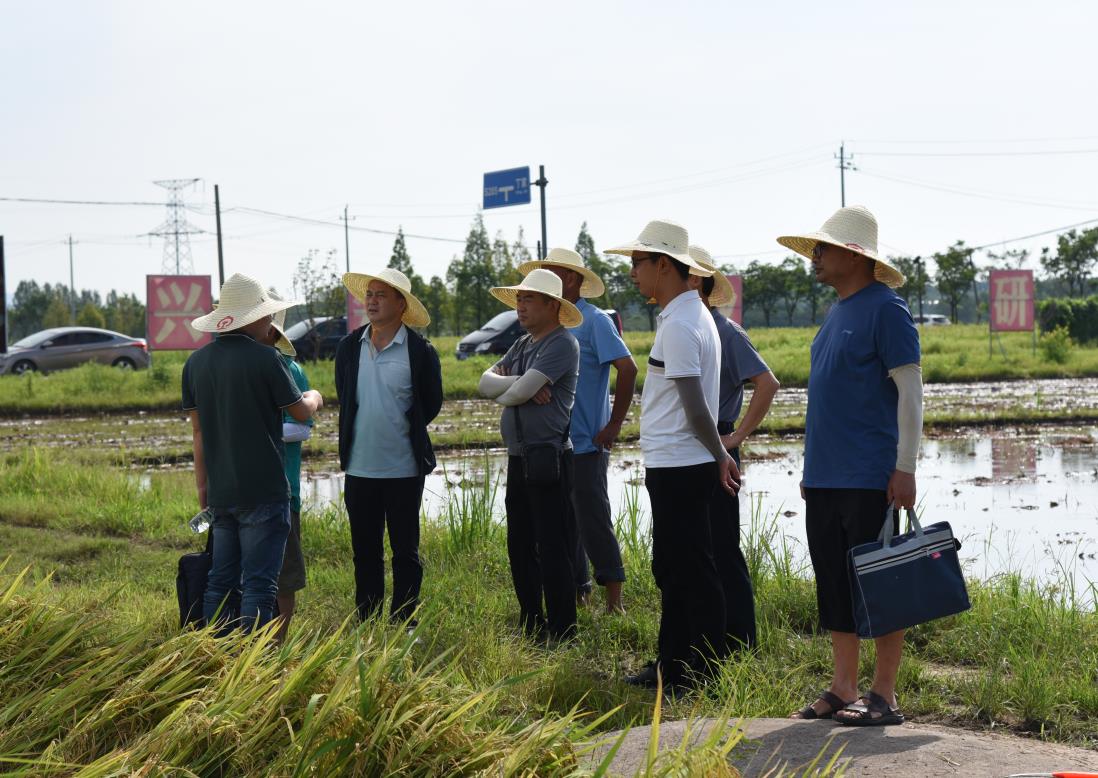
(647, 678)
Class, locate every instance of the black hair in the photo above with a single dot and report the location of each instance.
(682, 269)
(708, 282)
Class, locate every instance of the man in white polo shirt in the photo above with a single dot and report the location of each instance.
(683, 456)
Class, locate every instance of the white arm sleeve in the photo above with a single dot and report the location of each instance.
(492, 384)
(909, 414)
(524, 388)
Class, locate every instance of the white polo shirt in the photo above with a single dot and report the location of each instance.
(686, 344)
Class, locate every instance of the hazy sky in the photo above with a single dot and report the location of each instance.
(722, 116)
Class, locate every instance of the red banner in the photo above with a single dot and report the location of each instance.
(356, 313)
(1010, 302)
(737, 303)
(171, 302)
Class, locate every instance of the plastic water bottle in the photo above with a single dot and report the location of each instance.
(201, 521)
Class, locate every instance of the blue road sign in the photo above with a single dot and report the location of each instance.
(507, 187)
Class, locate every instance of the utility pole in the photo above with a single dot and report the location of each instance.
(347, 238)
(220, 255)
(72, 285)
(542, 182)
(921, 280)
(844, 165)
(3, 303)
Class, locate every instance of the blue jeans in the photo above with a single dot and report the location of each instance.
(248, 544)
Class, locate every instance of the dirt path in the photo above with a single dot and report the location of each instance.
(909, 751)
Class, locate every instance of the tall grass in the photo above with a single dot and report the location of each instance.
(471, 514)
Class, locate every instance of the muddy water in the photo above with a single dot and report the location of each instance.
(1022, 499)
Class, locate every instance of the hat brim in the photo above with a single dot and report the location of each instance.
(283, 343)
(415, 314)
(628, 249)
(592, 286)
(214, 321)
(723, 291)
(569, 316)
(805, 244)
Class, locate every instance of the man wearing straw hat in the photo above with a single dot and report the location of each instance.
(862, 431)
(236, 389)
(291, 579)
(683, 457)
(595, 427)
(740, 365)
(534, 423)
(389, 382)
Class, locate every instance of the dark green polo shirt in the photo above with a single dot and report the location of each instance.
(239, 387)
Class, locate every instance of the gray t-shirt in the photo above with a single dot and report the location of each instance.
(740, 362)
(556, 356)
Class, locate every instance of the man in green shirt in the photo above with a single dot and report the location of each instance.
(236, 389)
(292, 578)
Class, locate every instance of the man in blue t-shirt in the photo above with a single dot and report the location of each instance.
(595, 427)
(862, 431)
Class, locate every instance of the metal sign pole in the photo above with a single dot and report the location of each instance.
(542, 182)
(220, 254)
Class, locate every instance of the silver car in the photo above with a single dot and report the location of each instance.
(61, 347)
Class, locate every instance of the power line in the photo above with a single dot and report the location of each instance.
(1042, 153)
(1007, 198)
(325, 223)
(47, 201)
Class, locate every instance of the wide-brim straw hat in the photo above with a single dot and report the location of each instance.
(243, 300)
(415, 314)
(662, 237)
(723, 291)
(853, 228)
(283, 343)
(544, 282)
(592, 286)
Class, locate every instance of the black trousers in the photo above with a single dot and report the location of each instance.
(372, 505)
(541, 540)
(692, 609)
(739, 597)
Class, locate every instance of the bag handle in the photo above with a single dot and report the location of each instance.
(888, 529)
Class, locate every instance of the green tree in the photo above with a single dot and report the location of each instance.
(28, 308)
(90, 316)
(794, 285)
(1074, 260)
(503, 263)
(436, 299)
(915, 278)
(400, 260)
(124, 313)
(762, 287)
(57, 314)
(955, 274)
(319, 287)
(520, 252)
(471, 277)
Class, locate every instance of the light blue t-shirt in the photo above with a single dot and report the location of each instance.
(851, 431)
(740, 362)
(382, 445)
(600, 345)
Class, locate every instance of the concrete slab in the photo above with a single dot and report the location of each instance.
(907, 751)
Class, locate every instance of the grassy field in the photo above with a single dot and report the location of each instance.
(950, 354)
(95, 678)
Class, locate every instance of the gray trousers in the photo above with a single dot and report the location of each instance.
(595, 538)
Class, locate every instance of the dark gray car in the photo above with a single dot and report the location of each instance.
(62, 347)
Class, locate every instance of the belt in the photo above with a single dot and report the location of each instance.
(725, 427)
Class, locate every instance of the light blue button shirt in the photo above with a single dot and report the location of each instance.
(382, 446)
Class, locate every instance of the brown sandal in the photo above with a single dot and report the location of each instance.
(808, 713)
(862, 712)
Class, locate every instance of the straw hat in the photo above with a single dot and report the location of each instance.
(283, 343)
(592, 285)
(415, 315)
(723, 293)
(243, 301)
(544, 282)
(663, 237)
(854, 228)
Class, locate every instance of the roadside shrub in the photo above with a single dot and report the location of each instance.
(1056, 346)
(1078, 316)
